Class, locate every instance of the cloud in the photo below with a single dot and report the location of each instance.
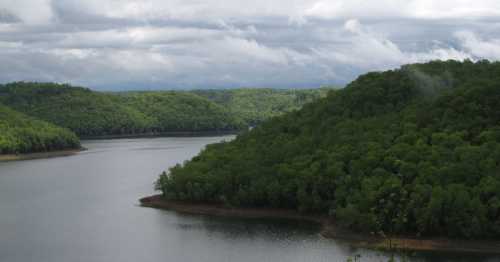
(136, 44)
(39, 11)
(370, 51)
(478, 47)
(8, 17)
(420, 9)
(28, 11)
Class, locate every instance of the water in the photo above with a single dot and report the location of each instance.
(85, 208)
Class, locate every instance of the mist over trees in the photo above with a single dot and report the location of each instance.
(409, 151)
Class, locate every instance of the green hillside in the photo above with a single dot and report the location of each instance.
(412, 151)
(21, 134)
(181, 111)
(89, 113)
(85, 112)
(257, 104)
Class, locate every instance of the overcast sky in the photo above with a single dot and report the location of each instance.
(173, 44)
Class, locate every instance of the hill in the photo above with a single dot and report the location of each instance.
(85, 112)
(254, 105)
(180, 111)
(89, 113)
(22, 134)
(410, 151)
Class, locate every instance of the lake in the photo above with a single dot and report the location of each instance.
(85, 208)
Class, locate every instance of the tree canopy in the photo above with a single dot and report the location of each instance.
(181, 111)
(85, 112)
(22, 134)
(89, 113)
(409, 151)
(254, 105)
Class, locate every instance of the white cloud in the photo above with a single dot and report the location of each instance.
(478, 47)
(135, 37)
(422, 9)
(40, 11)
(192, 43)
(460, 9)
(353, 26)
(29, 11)
(371, 51)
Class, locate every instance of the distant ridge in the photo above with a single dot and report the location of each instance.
(92, 114)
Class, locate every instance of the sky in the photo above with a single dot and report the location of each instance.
(186, 44)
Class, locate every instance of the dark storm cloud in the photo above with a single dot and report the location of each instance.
(191, 44)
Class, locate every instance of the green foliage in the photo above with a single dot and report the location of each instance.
(254, 106)
(22, 134)
(85, 112)
(90, 113)
(411, 151)
(181, 111)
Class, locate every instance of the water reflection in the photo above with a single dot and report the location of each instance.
(85, 208)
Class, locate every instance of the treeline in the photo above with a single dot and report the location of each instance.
(410, 151)
(85, 112)
(253, 106)
(89, 113)
(22, 134)
(181, 111)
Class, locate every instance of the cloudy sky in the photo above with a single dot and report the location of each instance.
(173, 44)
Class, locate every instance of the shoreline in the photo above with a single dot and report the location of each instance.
(165, 134)
(328, 228)
(40, 155)
(69, 152)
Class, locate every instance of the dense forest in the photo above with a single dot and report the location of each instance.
(85, 112)
(181, 111)
(21, 134)
(410, 151)
(254, 106)
(89, 113)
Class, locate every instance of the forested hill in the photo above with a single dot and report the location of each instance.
(90, 113)
(181, 111)
(254, 105)
(410, 151)
(22, 134)
(85, 112)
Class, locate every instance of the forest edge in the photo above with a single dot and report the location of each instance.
(328, 227)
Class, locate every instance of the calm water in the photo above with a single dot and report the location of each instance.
(85, 208)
